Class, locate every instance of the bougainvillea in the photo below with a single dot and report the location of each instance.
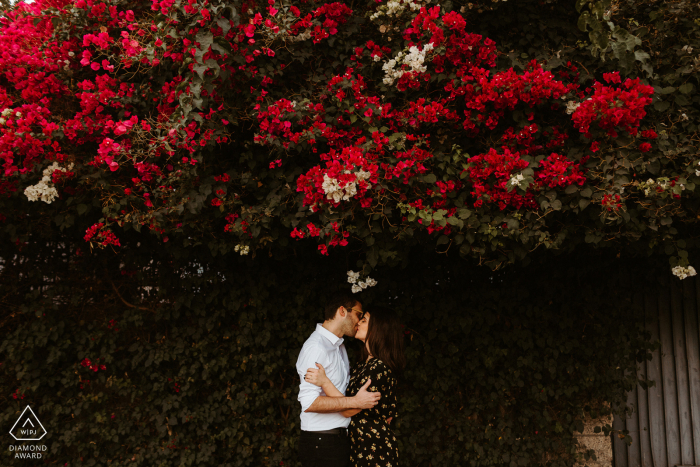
(204, 121)
(197, 154)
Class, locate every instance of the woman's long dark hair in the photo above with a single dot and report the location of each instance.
(385, 339)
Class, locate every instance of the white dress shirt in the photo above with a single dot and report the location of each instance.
(327, 349)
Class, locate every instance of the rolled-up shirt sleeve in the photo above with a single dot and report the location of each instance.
(308, 357)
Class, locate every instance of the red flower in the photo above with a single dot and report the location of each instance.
(313, 230)
(645, 147)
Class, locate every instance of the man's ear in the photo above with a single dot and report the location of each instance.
(341, 310)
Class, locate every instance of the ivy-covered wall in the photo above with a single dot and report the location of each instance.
(199, 360)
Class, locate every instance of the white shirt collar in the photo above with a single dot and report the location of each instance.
(335, 340)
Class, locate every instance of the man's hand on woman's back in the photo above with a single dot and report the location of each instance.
(365, 399)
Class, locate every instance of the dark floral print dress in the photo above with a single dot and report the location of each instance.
(372, 443)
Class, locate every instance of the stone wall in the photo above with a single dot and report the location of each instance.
(600, 443)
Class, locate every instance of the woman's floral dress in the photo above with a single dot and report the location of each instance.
(372, 443)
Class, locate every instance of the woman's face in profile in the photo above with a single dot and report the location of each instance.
(362, 326)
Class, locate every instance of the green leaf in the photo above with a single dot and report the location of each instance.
(224, 24)
(686, 88)
(205, 40)
(200, 69)
(661, 106)
(464, 213)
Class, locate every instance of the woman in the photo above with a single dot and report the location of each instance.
(372, 443)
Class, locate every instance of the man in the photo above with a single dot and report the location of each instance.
(324, 441)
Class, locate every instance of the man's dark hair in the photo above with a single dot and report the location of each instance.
(339, 299)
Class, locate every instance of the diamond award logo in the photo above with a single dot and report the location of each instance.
(28, 427)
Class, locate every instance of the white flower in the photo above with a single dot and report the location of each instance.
(7, 112)
(45, 190)
(358, 286)
(2, 121)
(682, 272)
(18, 114)
(414, 59)
(41, 191)
(697, 172)
(242, 249)
(353, 276)
(516, 180)
(335, 192)
(571, 107)
(71, 54)
(362, 175)
(395, 8)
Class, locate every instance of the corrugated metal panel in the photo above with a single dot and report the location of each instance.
(665, 426)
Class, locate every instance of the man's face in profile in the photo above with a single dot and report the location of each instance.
(352, 317)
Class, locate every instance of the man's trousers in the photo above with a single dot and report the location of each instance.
(324, 450)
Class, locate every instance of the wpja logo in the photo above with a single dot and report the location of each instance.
(28, 428)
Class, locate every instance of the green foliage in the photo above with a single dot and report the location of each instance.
(502, 367)
(655, 41)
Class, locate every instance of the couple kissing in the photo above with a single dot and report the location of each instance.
(346, 416)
